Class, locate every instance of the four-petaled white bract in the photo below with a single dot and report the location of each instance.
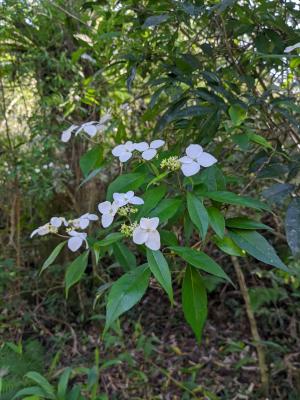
(195, 159)
(149, 151)
(146, 233)
(108, 211)
(76, 240)
(122, 199)
(124, 151)
(58, 221)
(41, 230)
(291, 48)
(91, 128)
(84, 221)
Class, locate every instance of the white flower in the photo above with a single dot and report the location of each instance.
(124, 151)
(108, 211)
(66, 135)
(85, 56)
(147, 233)
(122, 199)
(41, 231)
(58, 221)
(76, 240)
(149, 151)
(84, 221)
(291, 48)
(194, 159)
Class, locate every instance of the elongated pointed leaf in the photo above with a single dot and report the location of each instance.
(151, 198)
(217, 221)
(42, 382)
(125, 182)
(245, 223)
(125, 293)
(30, 391)
(166, 209)
(124, 256)
(194, 301)
(257, 246)
(160, 269)
(53, 256)
(75, 271)
(232, 198)
(63, 384)
(198, 214)
(201, 261)
(292, 226)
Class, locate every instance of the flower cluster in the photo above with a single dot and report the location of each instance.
(142, 232)
(90, 128)
(148, 151)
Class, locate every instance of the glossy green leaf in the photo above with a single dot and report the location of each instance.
(109, 239)
(42, 382)
(216, 221)
(198, 214)
(232, 198)
(237, 114)
(166, 209)
(200, 260)
(63, 384)
(30, 391)
(53, 256)
(124, 256)
(158, 178)
(194, 301)
(93, 159)
(245, 223)
(76, 270)
(151, 198)
(125, 293)
(227, 245)
(257, 246)
(160, 269)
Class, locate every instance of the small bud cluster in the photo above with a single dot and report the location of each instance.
(171, 163)
(127, 230)
(127, 210)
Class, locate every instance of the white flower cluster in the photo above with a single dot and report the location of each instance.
(90, 128)
(149, 151)
(144, 232)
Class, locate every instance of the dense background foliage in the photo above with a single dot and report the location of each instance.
(208, 72)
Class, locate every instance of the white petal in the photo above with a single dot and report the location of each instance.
(66, 136)
(114, 207)
(118, 150)
(185, 160)
(156, 144)
(136, 200)
(154, 222)
(129, 146)
(104, 119)
(145, 223)
(125, 156)
(206, 159)
(91, 130)
(33, 233)
(141, 146)
(104, 207)
(129, 194)
(56, 221)
(93, 217)
(153, 241)
(74, 243)
(291, 48)
(149, 154)
(193, 150)
(83, 223)
(190, 169)
(106, 220)
(139, 235)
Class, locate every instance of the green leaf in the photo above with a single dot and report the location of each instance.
(93, 159)
(292, 226)
(257, 246)
(31, 391)
(237, 114)
(200, 260)
(259, 140)
(53, 256)
(124, 256)
(42, 382)
(109, 239)
(158, 178)
(232, 198)
(198, 214)
(194, 301)
(245, 223)
(90, 176)
(63, 384)
(125, 182)
(227, 245)
(217, 221)
(160, 269)
(125, 293)
(151, 198)
(166, 209)
(168, 238)
(75, 270)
